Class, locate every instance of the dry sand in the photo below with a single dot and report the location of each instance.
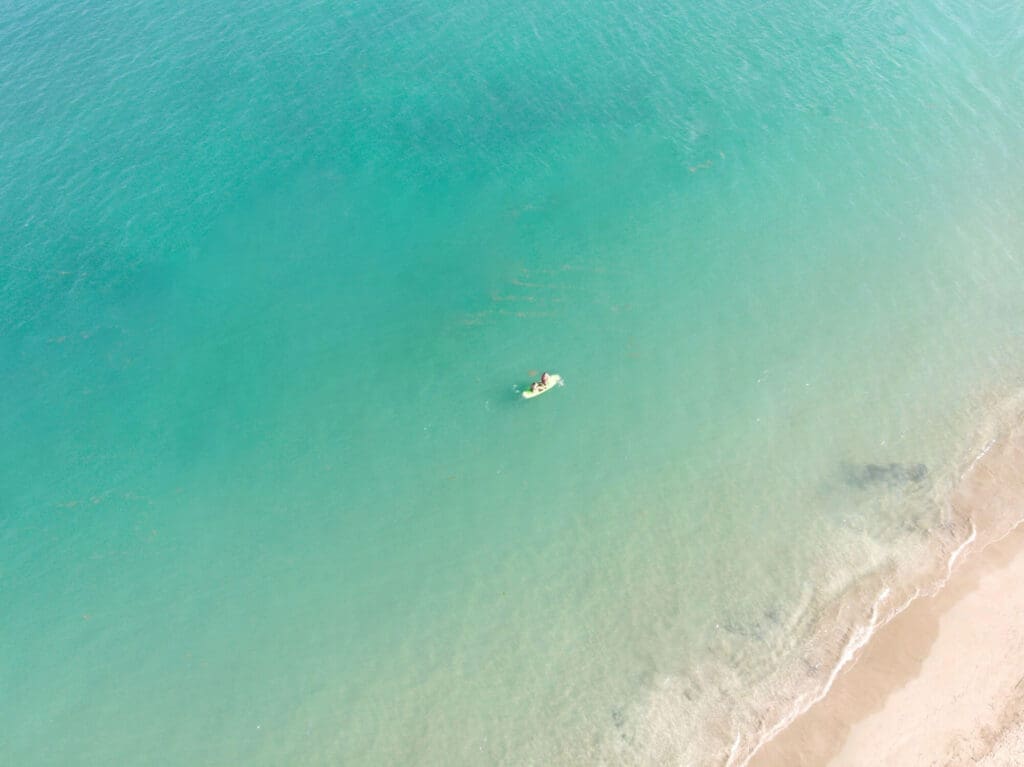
(943, 682)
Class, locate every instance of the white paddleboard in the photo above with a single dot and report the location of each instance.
(553, 380)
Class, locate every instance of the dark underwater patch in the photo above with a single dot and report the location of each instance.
(867, 475)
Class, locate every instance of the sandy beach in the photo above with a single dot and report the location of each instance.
(943, 682)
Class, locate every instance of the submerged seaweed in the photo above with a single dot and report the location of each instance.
(866, 475)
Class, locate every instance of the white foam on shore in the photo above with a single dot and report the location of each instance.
(858, 639)
(1010, 410)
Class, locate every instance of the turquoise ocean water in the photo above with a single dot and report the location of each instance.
(272, 276)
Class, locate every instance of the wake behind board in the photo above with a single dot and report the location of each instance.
(553, 380)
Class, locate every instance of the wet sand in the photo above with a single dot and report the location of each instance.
(943, 682)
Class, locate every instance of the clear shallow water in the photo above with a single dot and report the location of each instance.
(272, 277)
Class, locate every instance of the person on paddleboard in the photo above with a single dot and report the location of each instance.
(541, 385)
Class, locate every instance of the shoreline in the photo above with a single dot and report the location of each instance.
(942, 682)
